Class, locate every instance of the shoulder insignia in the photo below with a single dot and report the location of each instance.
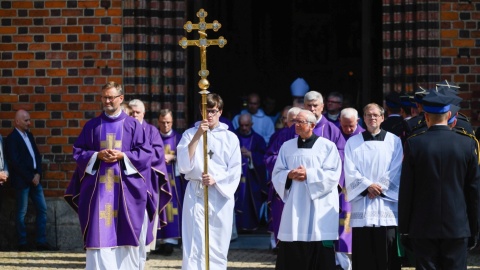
(416, 134)
(472, 136)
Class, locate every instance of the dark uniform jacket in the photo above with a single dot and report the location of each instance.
(439, 186)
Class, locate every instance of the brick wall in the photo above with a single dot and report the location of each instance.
(460, 52)
(56, 55)
(54, 58)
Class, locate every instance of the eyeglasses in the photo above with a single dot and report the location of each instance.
(374, 116)
(300, 122)
(110, 98)
(333, 101)
(212, 112)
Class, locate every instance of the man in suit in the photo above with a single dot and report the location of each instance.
(25, 167)
(439, 190)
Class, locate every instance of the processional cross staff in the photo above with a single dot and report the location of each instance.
(203, 84)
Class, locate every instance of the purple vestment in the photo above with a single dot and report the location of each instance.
(252, 189)
(275, 203)
(162, 192)
(345, 232)
(173, 228)
(111, 204)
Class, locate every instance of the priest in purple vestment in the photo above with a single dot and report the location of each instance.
(170, 234)
(326, 129)
(159, 184)
(252, 190)
(109, 189)
(349, 123)
(275, 203)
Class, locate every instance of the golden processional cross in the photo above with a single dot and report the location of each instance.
(202, 42)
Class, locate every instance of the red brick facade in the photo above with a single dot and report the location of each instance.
(56, 55)
(460, 52)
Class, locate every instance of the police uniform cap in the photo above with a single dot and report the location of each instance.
(420, 94)
(392, 100)
(438, 102)
(299, 87)
(406, 101)
(445, 85)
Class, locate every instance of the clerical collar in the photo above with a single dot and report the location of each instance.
(367, 136)
(168, 133)
(113, 116)
(333, 116)
(307, 143)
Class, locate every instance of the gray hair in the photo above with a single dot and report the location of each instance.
(309, 116)
(349, 113)
(137, 103)
(313, 95)
(293, 111)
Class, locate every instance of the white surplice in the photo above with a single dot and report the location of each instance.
(368, 162)
(311, 206)
(224, 164)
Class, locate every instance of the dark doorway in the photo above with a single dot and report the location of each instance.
(330, 44)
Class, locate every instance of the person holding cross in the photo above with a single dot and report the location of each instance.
(223, 177)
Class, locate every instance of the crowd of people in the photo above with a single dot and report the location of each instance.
(337, 187)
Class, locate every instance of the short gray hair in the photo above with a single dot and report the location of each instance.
(349, 113)
(137, 103)
(313, 95)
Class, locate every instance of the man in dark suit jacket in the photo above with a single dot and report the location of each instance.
(25, 168)
(439, 190)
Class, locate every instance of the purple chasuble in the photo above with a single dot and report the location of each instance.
(328, 130)
(275, 203)
(252, 189)
(173, 211)
(359, 129)
(110, 204)
(162, 193)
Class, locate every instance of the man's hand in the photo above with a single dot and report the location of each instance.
(3, 177)
(36, 179)
(207, 179)
(245, 152)
(374, 190)
(169, 158)
(298, 174)
(110, 155)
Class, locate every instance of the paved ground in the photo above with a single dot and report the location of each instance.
(248, 252)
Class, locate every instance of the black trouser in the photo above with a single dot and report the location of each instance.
(447, 254)
(375, 248)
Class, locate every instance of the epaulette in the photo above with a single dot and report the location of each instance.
(472, 136)
(416, 134)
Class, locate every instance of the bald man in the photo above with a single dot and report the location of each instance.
(25, 168)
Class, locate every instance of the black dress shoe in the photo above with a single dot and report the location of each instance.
(168, 249)
(45, 247)
(24, 247)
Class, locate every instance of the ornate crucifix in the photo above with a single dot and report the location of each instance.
(202, 42)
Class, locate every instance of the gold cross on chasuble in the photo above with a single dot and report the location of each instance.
(110, 142)
(171, 211)
(108, 215)
(109, 179)
(168, 150)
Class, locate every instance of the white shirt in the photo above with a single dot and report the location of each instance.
(29, 146)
